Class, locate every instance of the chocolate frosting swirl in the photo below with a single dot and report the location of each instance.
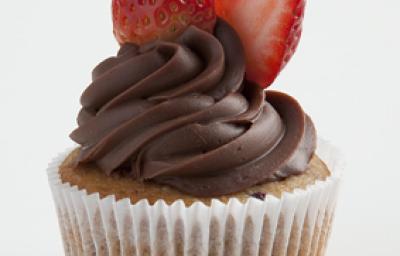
(181, 114)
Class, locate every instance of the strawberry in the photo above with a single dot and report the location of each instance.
(142, 21)
(270, 31)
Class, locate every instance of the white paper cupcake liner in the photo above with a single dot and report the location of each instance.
(298, 223)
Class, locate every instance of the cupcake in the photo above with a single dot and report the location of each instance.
(183, 150)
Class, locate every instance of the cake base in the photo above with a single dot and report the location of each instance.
(93, 180)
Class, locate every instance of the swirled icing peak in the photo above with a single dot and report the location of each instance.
(181, 114)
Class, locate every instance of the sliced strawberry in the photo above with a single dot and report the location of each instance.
(141, 21)
(270, 31)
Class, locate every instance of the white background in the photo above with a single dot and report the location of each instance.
(345, 73)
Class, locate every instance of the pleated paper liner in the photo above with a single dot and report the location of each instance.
(297, 223)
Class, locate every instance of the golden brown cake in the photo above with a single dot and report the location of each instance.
(93, 180)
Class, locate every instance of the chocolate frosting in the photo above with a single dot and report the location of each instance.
(181, 114)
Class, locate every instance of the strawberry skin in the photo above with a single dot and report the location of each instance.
(142, 21)
(270, 31)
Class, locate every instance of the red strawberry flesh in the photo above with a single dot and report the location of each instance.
(270, 31)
